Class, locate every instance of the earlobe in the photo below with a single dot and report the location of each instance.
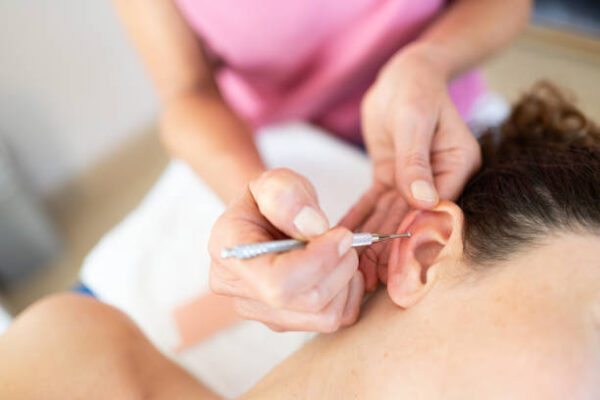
(417, 263)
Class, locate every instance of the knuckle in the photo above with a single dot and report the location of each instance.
(316, 301)
(468, 160)
(281, 186)
(278, 177)
(331, 322)
(416, 160)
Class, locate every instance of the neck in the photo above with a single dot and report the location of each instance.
(390, 351)
(358, 360)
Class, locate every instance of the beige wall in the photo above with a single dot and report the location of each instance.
(71, 88)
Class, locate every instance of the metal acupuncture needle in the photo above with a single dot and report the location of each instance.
(251, 250)
(380, 238)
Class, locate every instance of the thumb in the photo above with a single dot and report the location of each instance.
(414, 177)
(289, 202)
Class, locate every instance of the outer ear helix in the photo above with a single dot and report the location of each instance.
(416, 263)
(410, 276)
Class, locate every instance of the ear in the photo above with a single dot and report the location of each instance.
(417, 263)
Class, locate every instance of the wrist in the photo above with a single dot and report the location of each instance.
(239, 174)
(432, 56)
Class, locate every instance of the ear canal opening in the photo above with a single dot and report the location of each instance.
(426, 254)
(434, 248)
(433, 229)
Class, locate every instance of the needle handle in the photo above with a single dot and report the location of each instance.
(245, 251)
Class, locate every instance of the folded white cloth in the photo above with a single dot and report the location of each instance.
(156, 258)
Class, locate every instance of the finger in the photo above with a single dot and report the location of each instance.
(375, 258)
(413, 135)
(362, 209)
(369, 257)
(456, 162)
(289, 201)
(326, 321)
(318, 297)
(380, 213)
(368, 267)
(278, 279)
(241, 223)
(354, 300)
(224, 282)
(451, 181)
(396, 214)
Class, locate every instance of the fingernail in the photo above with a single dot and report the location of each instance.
(310, 223)
(345, 243)
(422, 190)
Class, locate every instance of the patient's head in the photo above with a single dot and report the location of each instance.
(541, 175)
(514, 269)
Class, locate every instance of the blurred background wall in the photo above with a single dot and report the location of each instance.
(577, 15)
(71, 88)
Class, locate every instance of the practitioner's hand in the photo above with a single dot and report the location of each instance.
(318, 288)
(380, 210)
(420, 148)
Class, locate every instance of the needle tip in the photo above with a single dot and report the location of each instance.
(399, 235)
(393, 236)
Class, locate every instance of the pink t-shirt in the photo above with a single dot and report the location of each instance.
(310, 59)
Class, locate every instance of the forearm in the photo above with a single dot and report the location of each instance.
(469, 31)
(197, 125)
(203, 131)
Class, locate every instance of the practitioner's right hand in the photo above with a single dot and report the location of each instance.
(318, 288)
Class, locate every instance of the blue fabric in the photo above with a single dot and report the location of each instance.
(82, 289)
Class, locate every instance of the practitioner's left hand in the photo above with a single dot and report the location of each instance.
(420, 148)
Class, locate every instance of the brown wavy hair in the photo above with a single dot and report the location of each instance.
(540, 174)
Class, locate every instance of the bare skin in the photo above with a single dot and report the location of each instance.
(524, 328)
(196, 123)
(200, 128)
(97, 351)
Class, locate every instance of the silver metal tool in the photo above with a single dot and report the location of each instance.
(251, 250)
